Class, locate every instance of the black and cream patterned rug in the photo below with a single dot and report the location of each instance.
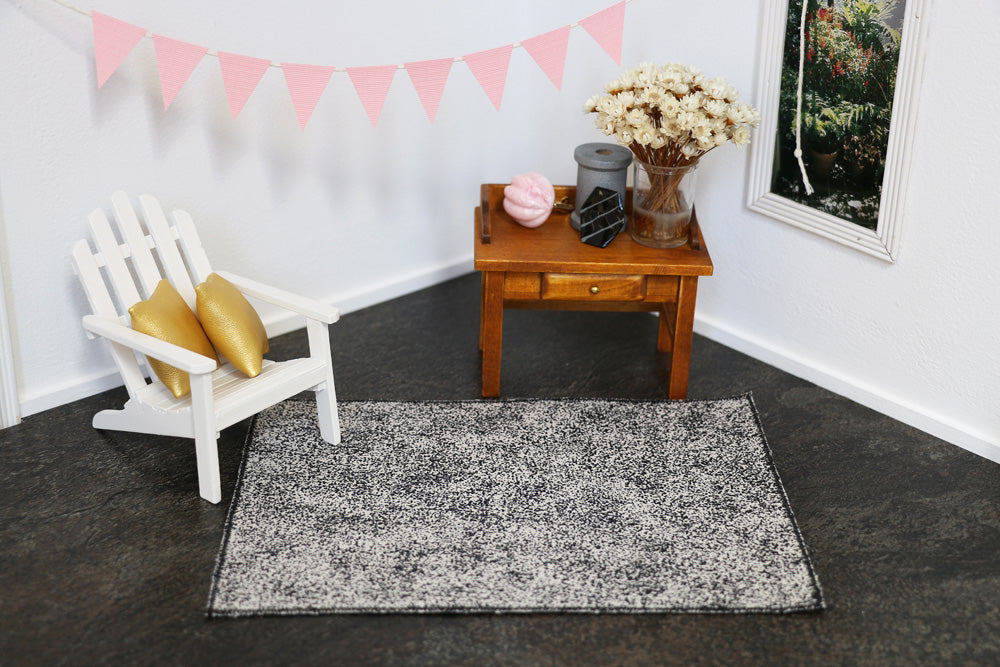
(512, 506)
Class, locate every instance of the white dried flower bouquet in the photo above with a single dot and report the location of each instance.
(671, 115)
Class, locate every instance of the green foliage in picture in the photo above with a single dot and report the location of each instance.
(849, 53)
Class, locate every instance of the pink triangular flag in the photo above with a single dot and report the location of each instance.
(490, 69)
(372, 84)
(176, 61)
(549, 51)
(306, 84)
(606, 27)
(113, 40)
(240, 76)
(429, 77)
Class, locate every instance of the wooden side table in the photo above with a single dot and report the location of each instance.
(549, 268)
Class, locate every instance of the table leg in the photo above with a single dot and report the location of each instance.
(492, 331)
(683, 326)
(482, 308)
(664, 330)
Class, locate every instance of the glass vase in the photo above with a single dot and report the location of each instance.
(662, 200)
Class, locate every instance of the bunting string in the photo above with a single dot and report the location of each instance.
(176, 60)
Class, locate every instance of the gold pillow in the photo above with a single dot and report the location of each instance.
(232, 324)
(164, 315)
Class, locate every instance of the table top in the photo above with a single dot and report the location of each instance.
(556, 247)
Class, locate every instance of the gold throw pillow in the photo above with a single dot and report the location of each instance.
(164, 315)
(232, 324)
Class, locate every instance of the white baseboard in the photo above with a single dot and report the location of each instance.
(10, 409)
(54, 396)
(872, 397)
(869, 396)
(347, 302)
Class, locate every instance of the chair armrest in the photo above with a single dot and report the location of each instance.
(175, 355)
(311, 308)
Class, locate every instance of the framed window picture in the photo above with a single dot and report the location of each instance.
(837, 90)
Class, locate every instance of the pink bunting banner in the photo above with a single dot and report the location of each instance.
(176, 61)
(490, 70)
(240, 76)
(549, 51)
(372, 85)
(306, 84)
(606, 27)
(113, 40)
(429, 77)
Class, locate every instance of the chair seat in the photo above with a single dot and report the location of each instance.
(236, 396)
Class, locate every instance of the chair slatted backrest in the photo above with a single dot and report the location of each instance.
(142, 259)
(191, 245)
(165, 245)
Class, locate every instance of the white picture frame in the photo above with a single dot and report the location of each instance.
(883, 242)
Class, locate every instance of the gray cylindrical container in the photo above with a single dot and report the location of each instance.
(599, 166)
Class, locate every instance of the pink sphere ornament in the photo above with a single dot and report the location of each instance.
(529, 199)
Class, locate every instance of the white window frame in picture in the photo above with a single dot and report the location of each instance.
(883, 242)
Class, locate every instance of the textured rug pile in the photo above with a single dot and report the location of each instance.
(512, 506)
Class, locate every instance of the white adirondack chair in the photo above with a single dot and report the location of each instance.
(219, 397)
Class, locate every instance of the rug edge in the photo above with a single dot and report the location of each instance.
(497, 611)
(813, 577)
(227, 526)
(536, 399)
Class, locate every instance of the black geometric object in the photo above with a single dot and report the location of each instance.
(602, 217)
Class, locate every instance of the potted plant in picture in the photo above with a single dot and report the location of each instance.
(823, 130)
(864, 161)
(669, 116)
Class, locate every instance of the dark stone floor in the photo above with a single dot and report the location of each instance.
(107, 552)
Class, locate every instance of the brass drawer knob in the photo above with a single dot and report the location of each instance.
(595, 289)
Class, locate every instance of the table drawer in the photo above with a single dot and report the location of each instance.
(593, 287)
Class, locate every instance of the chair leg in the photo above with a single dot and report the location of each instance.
(206, 437)
(209, 482)
(326, 398)
(326, 406)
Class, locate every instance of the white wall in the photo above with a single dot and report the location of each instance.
(918, 339)
(354, 214)
(345, 212)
